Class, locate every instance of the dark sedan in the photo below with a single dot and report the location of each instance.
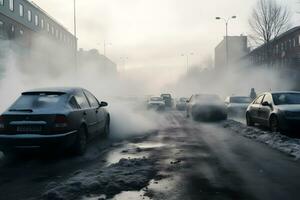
(53, 118)
(206, 108)
(280, 111)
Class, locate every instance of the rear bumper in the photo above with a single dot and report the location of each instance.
(31, 141)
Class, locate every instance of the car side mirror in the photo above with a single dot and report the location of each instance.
(103, 104)
(265, 103)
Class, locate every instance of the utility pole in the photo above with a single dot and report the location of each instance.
(226, 37)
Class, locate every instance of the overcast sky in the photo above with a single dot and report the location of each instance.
(153, 33)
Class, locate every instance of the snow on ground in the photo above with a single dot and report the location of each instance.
(278, 141)
(126, 175)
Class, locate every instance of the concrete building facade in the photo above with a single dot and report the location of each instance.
(34, 35)
(237, 48)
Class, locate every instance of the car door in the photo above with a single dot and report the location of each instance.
(88, 113)
(254, 109)
(265, 110)
(99, 111)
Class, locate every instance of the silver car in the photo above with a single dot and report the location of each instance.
(280, 111)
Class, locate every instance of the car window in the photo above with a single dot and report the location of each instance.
(286, 98)
(259, 99)
(73, 103)
(82, 100)
(93, 101)
(38, 101)
(268, 98)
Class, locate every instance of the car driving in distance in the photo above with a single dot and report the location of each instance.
(237, 105)
(156, 103)
(53, 118)
(168, 100)
(206, 107)
(280, 111)
(181, 104)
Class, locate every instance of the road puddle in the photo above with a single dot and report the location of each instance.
(131, 151)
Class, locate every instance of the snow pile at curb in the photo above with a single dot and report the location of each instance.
(278, 141)
(126, 175)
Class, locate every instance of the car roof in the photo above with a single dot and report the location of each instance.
(282, 92)
(66, 90)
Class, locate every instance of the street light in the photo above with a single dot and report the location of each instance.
(104, 47)
(187, 60)
(226, 23)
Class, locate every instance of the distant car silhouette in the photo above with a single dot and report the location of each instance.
(53, 118)
(206, 107)
(237, 105)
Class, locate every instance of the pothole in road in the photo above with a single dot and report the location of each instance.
(131, 151)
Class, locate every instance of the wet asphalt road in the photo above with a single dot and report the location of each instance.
(213, 163)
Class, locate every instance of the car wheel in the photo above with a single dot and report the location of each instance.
(81, 142)
(249, 120)
(274, 124)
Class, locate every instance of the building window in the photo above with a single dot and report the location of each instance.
(42, 23)
(1, 24)
(48, 27)
(21, 32)
(52, 30)
(21, 10)
(12, 28)
(29, 15)
(36, 20)
(1, 2)
(11, 5)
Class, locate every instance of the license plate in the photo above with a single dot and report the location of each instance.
(29, 128)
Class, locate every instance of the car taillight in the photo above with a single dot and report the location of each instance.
(61, 122)
(2, 126)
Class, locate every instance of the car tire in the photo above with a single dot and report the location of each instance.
(80, 144)
(274, 124)
(249, 120)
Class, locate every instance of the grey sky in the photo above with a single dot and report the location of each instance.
(153, 33)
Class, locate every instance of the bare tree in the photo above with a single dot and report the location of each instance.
(268, 20)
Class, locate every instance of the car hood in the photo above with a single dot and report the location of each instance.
(292, 108)
(156, 102)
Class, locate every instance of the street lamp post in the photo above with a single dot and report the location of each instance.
(226, 37)
(187, 60)
(104, 47)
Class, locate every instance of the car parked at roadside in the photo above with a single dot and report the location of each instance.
(237, 105)
(181, 104)
(280, 111)
(53, 118)
(168, 100)
(206, 107)
(156, 103)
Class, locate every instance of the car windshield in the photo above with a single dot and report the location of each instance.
(37, 101)
(240, 100)
(166, 95)
(156, 99)
(286, 98)
(183, 100)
